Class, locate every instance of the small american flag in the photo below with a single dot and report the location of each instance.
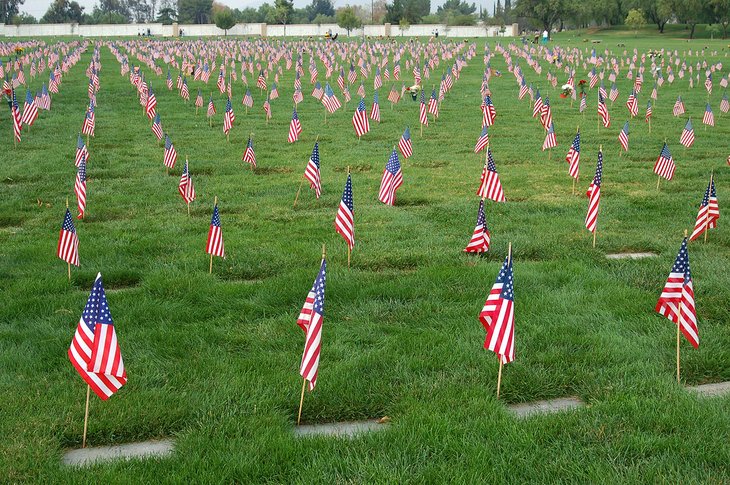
(267, 108)
(632, 104)
(677, 301)
(247, 99)
(482, 141)
(573, 156)
(603, 112)
(184, 92)
(664, 166)
(489, 113)
(317, 92)
(249, 156)
(345, 219)
(82, 153)
(170, 153)
(375, 108)
(490, 186)
(613, 94)
(724, 104)
(311, 172)
(68, 241)
(688, 135)
(261, 81)
(157, 127)
(15, 113)
(623, 137)
(310, 321)
(423, 110)
(94, 350)
(480, 239)
(405, 145)
(648, 111)
(360, 119)
(549, 141)
(295, 127)
(378, 80)
(186, 187)
(211, 107)
(678, 108)
(89, 121)
(30, 109)
(498, 315)
(708, 118)
(537, 108)
(214, 245)
(80, 188)
(433, 105)
(594, 196)
(546, 113)
(330, 101)
(709, 212)
(229, 117)
(199, 99)
(151, 104)
(392, 179)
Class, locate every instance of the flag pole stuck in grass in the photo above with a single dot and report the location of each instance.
(214, 246)
(310, 321)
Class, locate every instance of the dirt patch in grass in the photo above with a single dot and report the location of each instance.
(113, 280)
(355, 168)
(10, 220)
(412, 201)
(436, 164)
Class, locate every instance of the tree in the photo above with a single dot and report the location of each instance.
(655, 11)
(194, 11)
(691, 12)
(320, 7)
(323, 19)
(410, 10)
(10, 9)
(456, 12)
(348, 19)
(24, 18)
(224, 20)
(635, 19)
(545, 13)
(167, 13)
(63, 11)
(721, 14)
(282, 11)
(140, 10)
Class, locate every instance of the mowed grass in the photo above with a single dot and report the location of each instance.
(213, 359)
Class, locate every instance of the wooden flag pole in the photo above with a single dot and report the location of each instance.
(573, 185)
(658, 179)
(301, 401)
(86, 414)
(679, 313)
(550, 153)
(649, 125)
(301, 182)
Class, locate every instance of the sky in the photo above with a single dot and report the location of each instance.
(38, 7)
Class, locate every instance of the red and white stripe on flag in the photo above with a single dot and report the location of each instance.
(498, 315)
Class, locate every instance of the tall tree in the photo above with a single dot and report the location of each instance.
(320, 7)
(545, 13)
(412, 11)
(721, 14)
(194, 11)
(9, 9)
(283, 11)
(691, 12)
(63, 11)
(224, 20)
(167, 13)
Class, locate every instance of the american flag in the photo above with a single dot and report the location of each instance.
(537, 108)
(623, 137)
(688, 135)
(352, 75)
(221, 82)
(45, 99)
(613, 94)
(53, 83)
(169, 80)
(89, 121)
(297, 97)
(488, 112)
(603, 112)
(433, 106)
(157, 127)
(184, 92)
(261, 81)
(330, 101)
(68, 241)
(593, 78)
(423, 110)
(94, 350)
(310, 321)
(295, 127)
(375, 108)
(82, 153)
(573, 156)
(632, 104)
(709, 212)
(30, 109)
(498, 315)
(214, 245)
(360, 119)
(708, 118)
(199, 99)
(318, 92)
(378, 80)
(297, 81)
(345, 219)
(523, 89)
(549, 141)
(664, 166)
(396, 71)
(341, 79)
(654, 93)
(482, 141)
(416, 74)
(311, 172)
(490, 186)
(361, 90)
(186, 187)
(648, 111)
(405, 145)
(80, 188)
(677, 301)
(170, 156)
(267, 108)
(229, 117)
(546, 113)
(594, 195)
(151, 104)
(392, 179)
(249, 156)
(15, 113)
(708, 84)
(480, 239)
(724, 104)
(678, 108)
(247, 99)
(211, 107)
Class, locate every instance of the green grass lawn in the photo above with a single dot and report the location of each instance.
(213, 359)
